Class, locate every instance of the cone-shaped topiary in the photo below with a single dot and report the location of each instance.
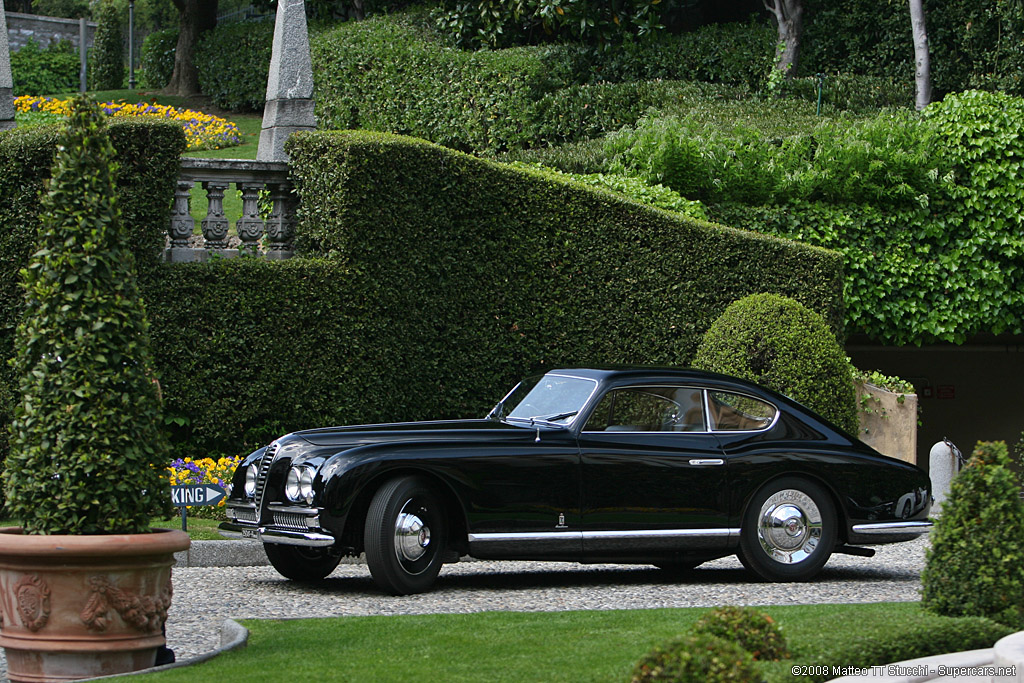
(781, 344)
(87, 452)
(975, 566)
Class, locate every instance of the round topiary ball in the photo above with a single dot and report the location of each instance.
(696, 658)
(754, 631)
(779, 343)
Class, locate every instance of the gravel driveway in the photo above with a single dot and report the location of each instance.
(205, 596)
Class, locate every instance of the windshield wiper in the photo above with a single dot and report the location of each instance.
(558, 416)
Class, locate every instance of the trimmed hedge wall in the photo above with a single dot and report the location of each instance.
(463, 268)
(431, 282)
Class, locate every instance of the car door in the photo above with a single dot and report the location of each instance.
(654, 476)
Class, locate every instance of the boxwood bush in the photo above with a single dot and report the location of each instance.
(236, 78)
(777, 342)
(156, 59)
(975, 566)
(41, 71)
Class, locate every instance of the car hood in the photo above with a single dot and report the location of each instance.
(444, 430)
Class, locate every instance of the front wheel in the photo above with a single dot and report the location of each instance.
(300, 563)
(789, 530)
(405, 536)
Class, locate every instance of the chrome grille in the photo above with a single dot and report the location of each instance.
(290, 520)
(261, 479)
(246, 515)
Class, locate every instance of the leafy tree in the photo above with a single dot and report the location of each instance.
(922, 61)
(195, 17)
(106, 63)
(789, 19)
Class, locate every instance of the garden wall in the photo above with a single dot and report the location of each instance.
(430, 282)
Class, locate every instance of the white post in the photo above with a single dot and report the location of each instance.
(82, 72)
(943, 465)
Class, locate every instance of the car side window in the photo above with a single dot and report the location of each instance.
(649, 409)
(735, 413)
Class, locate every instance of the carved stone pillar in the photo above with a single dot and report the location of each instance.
(182, 224)
(250, 225)
(281, 224)
(215, 225)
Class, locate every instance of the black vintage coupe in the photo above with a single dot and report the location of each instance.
(663, 466)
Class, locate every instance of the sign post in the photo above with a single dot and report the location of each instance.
(184, 495)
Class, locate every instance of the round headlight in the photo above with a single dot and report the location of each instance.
(306, 485)
(250, 480)
(291, 485)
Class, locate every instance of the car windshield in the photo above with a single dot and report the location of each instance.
(547, 398)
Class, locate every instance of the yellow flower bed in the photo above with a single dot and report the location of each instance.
(202, 131)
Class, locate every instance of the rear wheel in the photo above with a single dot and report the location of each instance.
(300, 563)
(405, 536)
(789, 530)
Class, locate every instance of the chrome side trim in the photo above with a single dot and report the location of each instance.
(594, 535)
(663, 533)
(528, 536)
(893, 528)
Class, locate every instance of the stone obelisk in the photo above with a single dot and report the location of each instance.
(289, 104)
(6, 81)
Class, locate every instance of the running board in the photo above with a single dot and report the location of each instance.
(855, 550)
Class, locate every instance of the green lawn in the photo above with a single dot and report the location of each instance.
(528, 646)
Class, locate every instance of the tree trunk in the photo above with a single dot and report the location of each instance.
(922, 73)
(789, 17)
(195, 18)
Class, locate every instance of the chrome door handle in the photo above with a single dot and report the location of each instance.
(700, 462)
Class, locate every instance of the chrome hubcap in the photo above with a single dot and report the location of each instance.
(412, 536)
(789, 526)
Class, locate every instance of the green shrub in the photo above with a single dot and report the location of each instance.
(754, 631)
(975, 566)
(41, 71)
(780, 344)
(87, 453)
(652, 195)
(106, 59)
(156, 60)
(700, 658)
(236, 78)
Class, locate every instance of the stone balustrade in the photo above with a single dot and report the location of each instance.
(270, 238)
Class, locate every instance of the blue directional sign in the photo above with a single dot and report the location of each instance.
(196, 494)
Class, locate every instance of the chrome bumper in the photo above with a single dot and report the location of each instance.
(887, 528)
(265, 535)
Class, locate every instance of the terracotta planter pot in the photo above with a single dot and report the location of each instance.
(83, 606)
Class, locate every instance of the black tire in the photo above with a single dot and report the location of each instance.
(788, 530)
(405, 536)
(301, 563)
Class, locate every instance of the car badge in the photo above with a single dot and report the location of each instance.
(561, 521)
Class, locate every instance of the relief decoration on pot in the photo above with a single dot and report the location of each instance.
(145, 613)
(33, 597)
